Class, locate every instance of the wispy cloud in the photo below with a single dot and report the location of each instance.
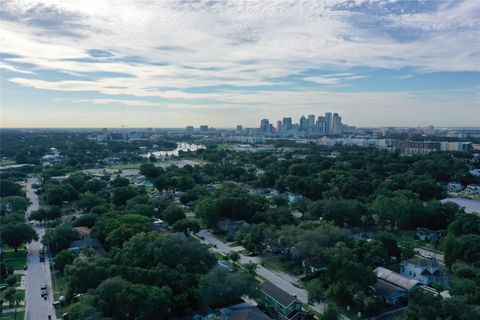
(226, 52)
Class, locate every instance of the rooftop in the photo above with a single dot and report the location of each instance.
(395, 278)
(277, 294)
(384, 288)
(427, 263)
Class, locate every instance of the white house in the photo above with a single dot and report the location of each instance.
(473, 189)
(426, 271)
(454, 187)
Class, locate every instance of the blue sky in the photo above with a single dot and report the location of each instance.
(222, 63)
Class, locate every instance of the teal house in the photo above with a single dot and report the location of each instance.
(279, 304)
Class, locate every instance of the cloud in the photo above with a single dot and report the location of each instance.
(228, 53)
(107, 101)
(14, 69)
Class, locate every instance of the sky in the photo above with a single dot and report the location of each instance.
(222, 63)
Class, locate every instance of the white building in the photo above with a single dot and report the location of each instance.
(473, 189)
(426, 271)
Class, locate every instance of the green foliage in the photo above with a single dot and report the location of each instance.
(63, 259)
(10, 188)
(59, 238)
(17, 233)
(173, 213)
(186, 225)
(220, 287)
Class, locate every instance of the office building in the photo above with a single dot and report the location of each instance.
(265, 126)
(204, 128)
(189, 129)
(303, 123)
(337, 127)
(287, 124)
(328, 123)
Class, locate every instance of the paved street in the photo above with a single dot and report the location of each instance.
(38, 273)
(277, 278)
(438, 256)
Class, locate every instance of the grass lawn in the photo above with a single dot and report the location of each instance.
(126, 166)
(274, 263)
(15, 260)
(59, 285)
(11, 316)
(7, 162)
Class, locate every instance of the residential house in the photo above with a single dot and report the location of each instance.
(391, 294)
(396, 279)
(243, 311)
(78, 245)
(230, 226)
(455, 187)
(279, 304)
(472, 189)
(425, 234)
(426, 271)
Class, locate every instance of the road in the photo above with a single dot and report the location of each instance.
(277, 278)
(38, 273)
(438, 256)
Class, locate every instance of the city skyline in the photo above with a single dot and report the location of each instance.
(172, 64)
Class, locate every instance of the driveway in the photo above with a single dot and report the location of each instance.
(38, 273)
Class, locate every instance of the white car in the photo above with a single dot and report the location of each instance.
(426, 255)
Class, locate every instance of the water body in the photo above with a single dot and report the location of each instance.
(469, 204)
(181, 146)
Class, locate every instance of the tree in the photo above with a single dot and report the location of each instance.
(11, 295)
(121, 195)
(186, 225)
(451, 250)
(315, 290)
(120, 182)
(63, 259)
(207, 209)
(331, 313)
(59, 238)
(173, 213)
(87, 274)
(14, 203)
(10, 188)
(234, 256)
(16, 234)
(220, 287)
(146, 302)
(50, 213)
(11, 280)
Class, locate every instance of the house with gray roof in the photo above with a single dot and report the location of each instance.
(279, 304)
(425, 271)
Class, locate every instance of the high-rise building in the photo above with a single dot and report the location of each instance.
(204, 128)
(311, 121)
(321, 126)
(328, 123)
(189, 129)
(337, 127)
(239, 128)
(265, 126)
(303, 122)
(279, 126)
(287, 124)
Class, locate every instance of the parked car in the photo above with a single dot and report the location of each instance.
(426, 255)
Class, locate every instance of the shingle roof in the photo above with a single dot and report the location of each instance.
(430, 263)
(277, 294)
(384, 288)
(252, 313)
(395, 278)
